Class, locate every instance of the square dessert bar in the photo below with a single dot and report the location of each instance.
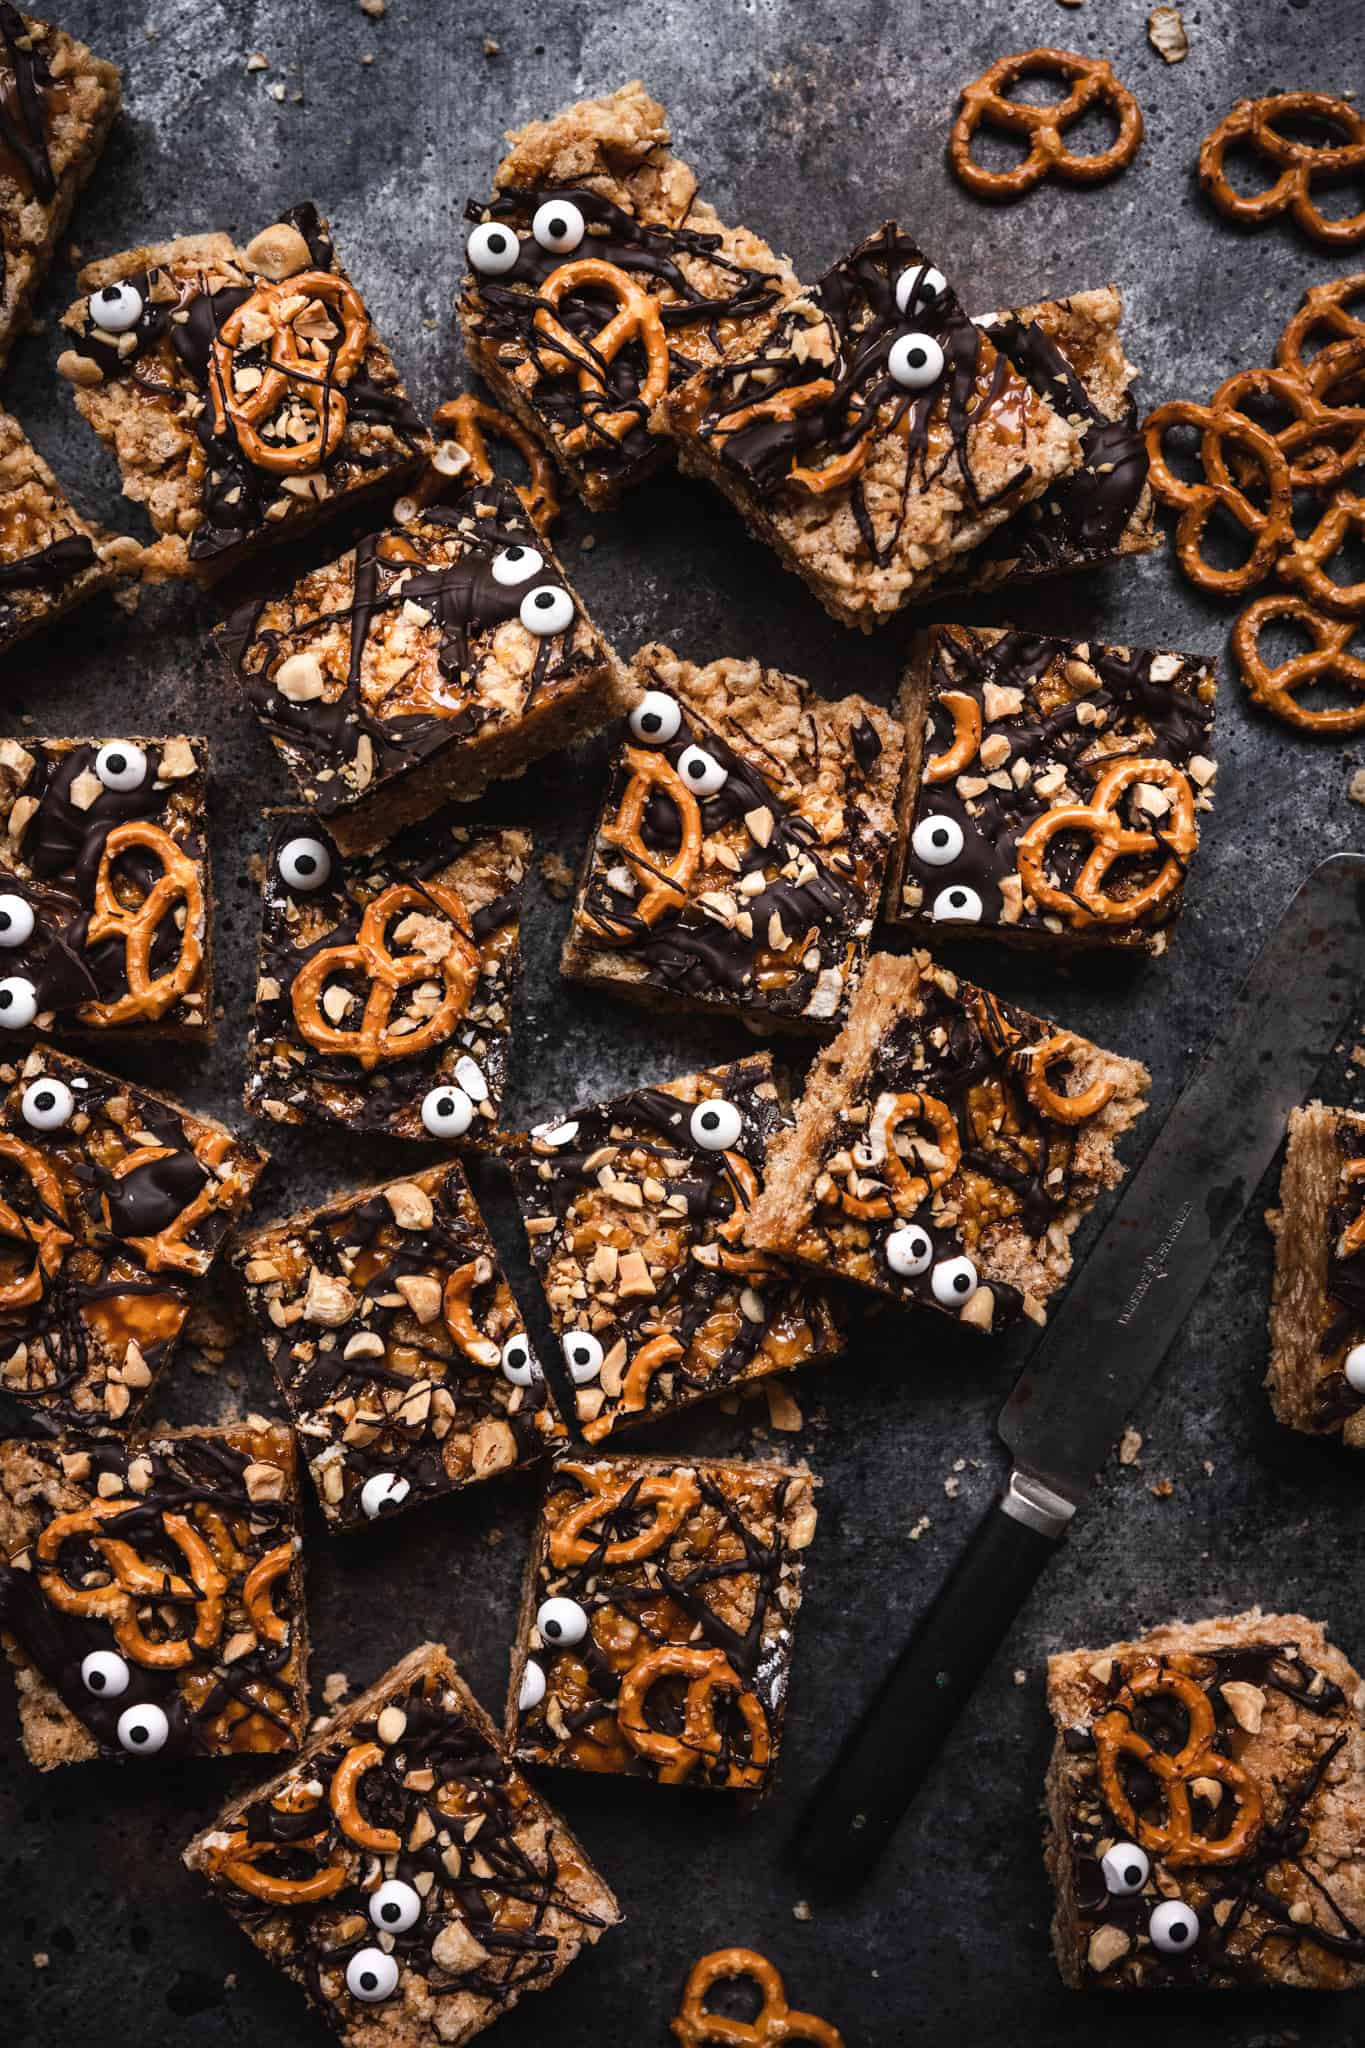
(1206, 1810)
(151, 1593)
(657, 1618)
(597, 282)
(385, 987)
(398, 1345)
(635, 1211)
(872, 435)
(739, 858)
(435, 657)
(401, 1872)
(113, 1206)
(60, 101)
(1317, 1311)
(51, 559)
(1053, 789)
(946, 1148)
(1070, 352)
(104, 888)
(244, 392)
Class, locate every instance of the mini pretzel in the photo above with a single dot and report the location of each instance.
(256, 1588)
(787, 404)
(1324, 307)
(1271, 530)
(1328, 661)
(134, 1580)
(236, 1860)
(43, 1231)
(965, 712)
(1033, 1062)
(459, 1314)
(466, 421)
(1087, 902)
(637, 319)
(169, 1248)
(1252, 122)
(907, 1191)
(774, 2022)
(1303, 563)
(707, 1672)
(360, 1758)
(180, 883)
(666, 880)
(651, 1357)
(1197, 1757)
(292, 372)
(388, 972)
(987, 99)
(1353, 1237)
(671, 1495)
(1307, 443)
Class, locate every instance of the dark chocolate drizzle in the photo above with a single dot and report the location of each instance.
(23, 118)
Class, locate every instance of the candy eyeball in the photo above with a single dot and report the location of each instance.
(143, 1730)
(1174, 1927)
(715, 1124)
(371, 1975)
(18, 1003)
(532, 1687)
(937, 840)
(1353, 1365)
(561, 1623)
(383, 1490)
(517, 1365)
(909, 1251)
(546, 609)
(121, 766)
(116, 307)
(105, 1674)
(915, 361)
(395, 1906)
(953, 1281)
(1126, 1869)
(47, 1104)
(558, 226)
(492, 249)
(511, 566)
(701, 771)
(305, 863)
(919, 286)
(16, 920)
(446, 1112)
(582, 1355)
(957, 906)
(656, 719)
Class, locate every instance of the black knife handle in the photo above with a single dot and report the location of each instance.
(858, 1805)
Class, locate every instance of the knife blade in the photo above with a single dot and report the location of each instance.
(1105, 1343)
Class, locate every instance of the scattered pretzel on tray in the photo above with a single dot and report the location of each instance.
(696, 2023)
(1298, 166)
(987, 101)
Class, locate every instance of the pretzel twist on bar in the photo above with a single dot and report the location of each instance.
(1087, 901)
(180, 883)
(906, 1191)
(134, 1581)
(168, 1248)
(457, 1309)
(636, 319)
(291, 372)
(671, 1495)
(965, 712)
(677, 1756)
(43, 1231)
(987, 99)
(666, 878)
(1176, 1839)
(387, 972)
(359, 1759)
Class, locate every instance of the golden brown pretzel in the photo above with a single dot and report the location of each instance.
(1087, 901)
(965, 712)
(342, 1798)
(1305, 562)
(1271, 527)
(786, 404)
(1175, 1840)
(1324, 310)
(292, 372)
(168, 1248)
(180, 883)
(459, 1314)
(1353, 1237)
(1324, 443)
(773, 2023)
(1329, 660)
(236, 1860)
(468, 422)
(672, 1496)
(666, 879)
(706, 1672)
(636, 319)
(256, 1588)
(44, 1231)
(987, 99)
(133, 1581)
(1252, 124)
(906, 1191)
(387, 972)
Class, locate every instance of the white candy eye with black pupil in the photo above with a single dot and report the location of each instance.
(701, 771)
(583, 1356)
(937, 841)
(371, 1976)
(957, 905)
(105, 1674)
(919, 286)
(1174, 1927)
(532, 1687)
(953, 1282)
(143, 1730)
(16, 920)
(516, 1362)
(546, 609)
(558, 226)
(383, 1490)
(47, 1104)
(1126, 1869)
(446, 1112)
(561, 1623)
(395, 1907)
(305, 863)
(121, 766)
(909, 1250)
(1353, 1365)
(511, 566)
(915, 361)
(656, 719)
(116, 307)
(493, 249)
(715, 1124)
(18, 1003)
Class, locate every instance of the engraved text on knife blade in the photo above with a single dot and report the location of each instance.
(1154, 1265)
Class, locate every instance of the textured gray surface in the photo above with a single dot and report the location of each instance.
(814, 124)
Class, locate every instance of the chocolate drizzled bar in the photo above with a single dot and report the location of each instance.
(947, 1146)
(1317, 1315)
(437, 656)
(738, 861)
(151, 1594)
(114, 1204)
(51, 559)
(636, 1213)
(1206, 1810)
(1053, 791)
(598, 282)
(245, 392)
(652, 1582)
(402, 1874)
(398, 1345)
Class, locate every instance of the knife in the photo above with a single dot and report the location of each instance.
(1109, 1335)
